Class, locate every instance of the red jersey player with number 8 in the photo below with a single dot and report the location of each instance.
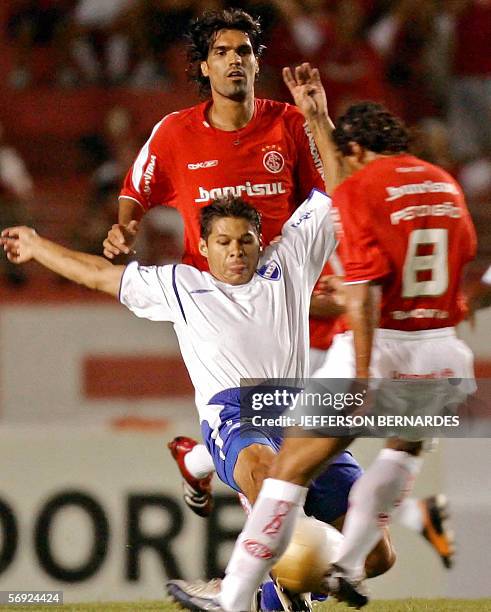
(407, 234)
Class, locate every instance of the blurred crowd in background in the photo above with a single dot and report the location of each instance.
(427, 60)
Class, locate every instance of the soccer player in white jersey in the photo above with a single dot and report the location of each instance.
(246, 318)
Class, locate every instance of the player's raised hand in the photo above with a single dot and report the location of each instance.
(18, 243)
(120, 239)
(307, 90)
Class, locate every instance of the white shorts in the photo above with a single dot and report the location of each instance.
(397, 353)
(316, 360)
(428, 359)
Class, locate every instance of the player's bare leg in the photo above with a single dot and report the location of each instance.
(267, 530)
(252, 468)
(300, 459)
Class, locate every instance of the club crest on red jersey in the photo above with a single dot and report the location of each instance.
(273, 160)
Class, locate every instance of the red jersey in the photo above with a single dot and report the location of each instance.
(272, 163)
(323, 330)
(405, 223)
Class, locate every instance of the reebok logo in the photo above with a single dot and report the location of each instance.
(211, 163)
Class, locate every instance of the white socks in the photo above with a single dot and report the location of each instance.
(410, 514)
(372, 499)
(198, 461)
(263, 540)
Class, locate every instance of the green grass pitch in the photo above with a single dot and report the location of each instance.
(406, 605)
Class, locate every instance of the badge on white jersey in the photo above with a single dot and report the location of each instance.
(270, 271)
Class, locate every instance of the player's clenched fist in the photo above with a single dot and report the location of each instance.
(120, 239)
(18, 243)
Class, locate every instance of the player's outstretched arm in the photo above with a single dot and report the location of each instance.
(21, 244)
(306, 88)
(121, 237)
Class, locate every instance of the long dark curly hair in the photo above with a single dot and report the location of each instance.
(202, 33)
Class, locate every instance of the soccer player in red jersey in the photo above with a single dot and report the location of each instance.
(233, 143)
(407, 235)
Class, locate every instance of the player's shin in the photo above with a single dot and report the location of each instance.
(263, 540)
(372, 500)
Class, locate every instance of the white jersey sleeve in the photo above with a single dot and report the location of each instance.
(150, 292)
(308, 237)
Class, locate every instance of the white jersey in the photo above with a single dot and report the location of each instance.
(256, 330)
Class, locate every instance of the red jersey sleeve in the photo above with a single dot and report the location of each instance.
(361, 255)
(148, 180)
(308, 167)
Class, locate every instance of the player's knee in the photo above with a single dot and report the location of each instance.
(252, 468)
